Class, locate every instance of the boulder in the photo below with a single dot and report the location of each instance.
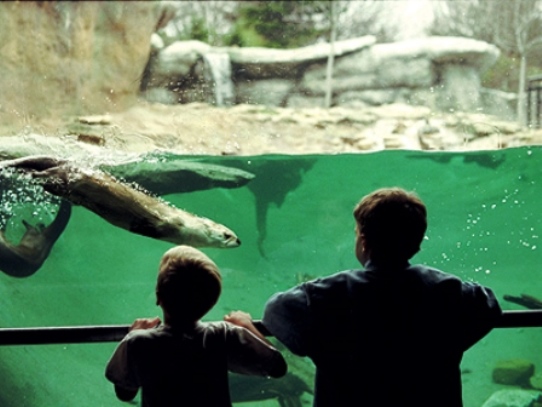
(442, 73)
(457, 50)
(269, 92)
(450, 63)
(513, 372)
(73, 57)
(368, 69)
(263, 63)
(175, 62)
(512, 398)
(536, 381)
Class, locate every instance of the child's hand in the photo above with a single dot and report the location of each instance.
(244, 320)
(239, 318)
(145, 323)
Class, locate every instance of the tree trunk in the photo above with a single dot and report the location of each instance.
(522, 96)
(331, 57)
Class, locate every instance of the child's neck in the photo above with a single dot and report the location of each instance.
(178, 324)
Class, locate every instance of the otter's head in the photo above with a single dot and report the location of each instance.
(220, 236)
(201, 232)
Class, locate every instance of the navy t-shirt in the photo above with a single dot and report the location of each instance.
(384, 337)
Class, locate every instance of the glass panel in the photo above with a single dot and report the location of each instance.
(295, 222)
(62, 60)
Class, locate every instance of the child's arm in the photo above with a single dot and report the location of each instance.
(117, 370)
(124, 394)
(244, 319)
(145, 323)
(256, 355)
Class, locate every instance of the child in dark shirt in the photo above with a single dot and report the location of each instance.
(392, 334)
(184, 361)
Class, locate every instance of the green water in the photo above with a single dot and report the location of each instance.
(295, 222)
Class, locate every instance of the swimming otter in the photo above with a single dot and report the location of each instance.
(28, 256)
(122, 205)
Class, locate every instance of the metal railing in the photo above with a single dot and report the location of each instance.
(114, 333)
(534, 101)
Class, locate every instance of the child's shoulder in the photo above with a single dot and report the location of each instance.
(429, 273)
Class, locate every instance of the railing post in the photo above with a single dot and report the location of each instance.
(538, 106)
(534, 101)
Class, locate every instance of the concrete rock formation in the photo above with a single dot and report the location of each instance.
(68, 58)
(442, 73)
(513, 398)
(64, 57)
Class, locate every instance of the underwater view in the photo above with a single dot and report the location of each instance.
(294, 219)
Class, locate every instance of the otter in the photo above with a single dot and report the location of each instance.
(28, 256)
(123, 205)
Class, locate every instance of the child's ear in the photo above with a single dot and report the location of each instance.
(364, 242)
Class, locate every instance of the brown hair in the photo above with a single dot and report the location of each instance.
(393, 222)
(189, 284)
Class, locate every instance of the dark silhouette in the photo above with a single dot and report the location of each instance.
(25, 258)
(185, 361)
(392, 334)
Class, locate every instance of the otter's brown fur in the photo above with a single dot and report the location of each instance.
(123, 205)
(25, 258)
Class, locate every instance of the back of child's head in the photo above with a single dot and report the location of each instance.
(189, 284)
(393, 223)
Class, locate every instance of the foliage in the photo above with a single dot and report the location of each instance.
(199, 30)
(503, 75)
(515, 26)
(276, 24)
(207, 21)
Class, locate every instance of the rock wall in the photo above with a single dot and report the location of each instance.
(442, 73)
(61, 57)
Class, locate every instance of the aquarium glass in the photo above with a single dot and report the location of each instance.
(295, 222)
(65, 67)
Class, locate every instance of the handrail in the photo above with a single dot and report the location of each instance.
(114, 333)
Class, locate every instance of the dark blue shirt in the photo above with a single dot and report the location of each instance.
(384, 337)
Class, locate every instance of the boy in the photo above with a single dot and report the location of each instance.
(185, 361)
(394, 333)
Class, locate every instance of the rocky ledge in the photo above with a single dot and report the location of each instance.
(200, 129)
